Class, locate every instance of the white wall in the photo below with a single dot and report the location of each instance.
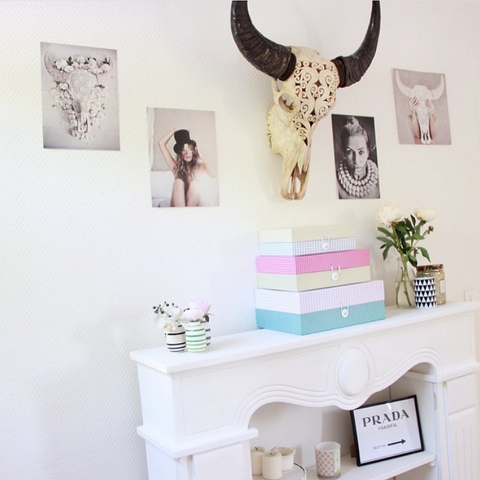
(84, 257)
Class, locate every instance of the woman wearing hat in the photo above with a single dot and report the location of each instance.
(187, 166)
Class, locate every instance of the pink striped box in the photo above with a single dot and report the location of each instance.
(313, 263)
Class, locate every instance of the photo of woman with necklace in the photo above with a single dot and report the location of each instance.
(355, 157)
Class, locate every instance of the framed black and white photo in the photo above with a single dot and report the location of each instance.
(356, 162)
(387, 430)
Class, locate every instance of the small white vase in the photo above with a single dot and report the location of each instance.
(175, 339)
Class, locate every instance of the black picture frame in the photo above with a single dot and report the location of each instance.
(387, 430)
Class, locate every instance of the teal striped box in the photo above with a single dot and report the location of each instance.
(306, 323)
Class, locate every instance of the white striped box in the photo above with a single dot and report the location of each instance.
(320, 299)
(307, 240)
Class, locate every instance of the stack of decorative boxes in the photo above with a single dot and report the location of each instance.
(313, 279)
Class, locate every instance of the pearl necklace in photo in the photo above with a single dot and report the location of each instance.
(358, 188)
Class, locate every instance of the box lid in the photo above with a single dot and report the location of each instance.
(320, 299)
(300, 234)
(321, 262)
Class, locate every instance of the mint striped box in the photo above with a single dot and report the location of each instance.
(320, 310)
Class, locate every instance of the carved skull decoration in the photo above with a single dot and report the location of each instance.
(304, 88)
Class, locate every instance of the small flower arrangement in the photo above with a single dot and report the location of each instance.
(171, 316)
(403, 234)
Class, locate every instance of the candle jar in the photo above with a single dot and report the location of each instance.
(327, 460)
(436, 271)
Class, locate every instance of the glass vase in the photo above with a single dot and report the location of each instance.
(404, 294)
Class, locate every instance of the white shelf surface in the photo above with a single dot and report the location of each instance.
(243, 346)
(381, 470)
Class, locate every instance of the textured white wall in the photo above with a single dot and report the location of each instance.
(83, 256)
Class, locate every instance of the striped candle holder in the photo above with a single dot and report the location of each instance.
(196, 337)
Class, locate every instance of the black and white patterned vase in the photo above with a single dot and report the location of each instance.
(425, 292)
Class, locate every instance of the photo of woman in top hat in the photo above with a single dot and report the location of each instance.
(189, 176)
(187, 166)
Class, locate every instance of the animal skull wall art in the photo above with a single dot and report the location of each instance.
(423, 98)
(80, 90)
(304, 88)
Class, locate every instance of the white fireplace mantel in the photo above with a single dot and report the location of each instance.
(197, 407)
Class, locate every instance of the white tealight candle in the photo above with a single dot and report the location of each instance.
(272, 465)
(256, 456)
(287, 457)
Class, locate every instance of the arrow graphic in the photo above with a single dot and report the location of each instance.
(402, 441)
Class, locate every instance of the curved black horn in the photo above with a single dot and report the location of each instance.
(352, 68)
(275, 60)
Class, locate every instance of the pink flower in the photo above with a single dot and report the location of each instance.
(197, 310)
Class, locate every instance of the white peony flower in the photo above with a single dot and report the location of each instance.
(425, 214)
(68, 68)
(81, 60)
(389, 214)
(174, 312)
(106, 67)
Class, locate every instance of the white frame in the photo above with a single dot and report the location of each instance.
(386, 430)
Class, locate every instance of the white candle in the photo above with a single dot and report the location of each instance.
(287, 457)
(272, 465)
(256, 456)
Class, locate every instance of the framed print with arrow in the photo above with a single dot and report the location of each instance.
(386, 430)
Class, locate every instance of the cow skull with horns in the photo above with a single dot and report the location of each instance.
(422, 109)
(304, 88)
(79, 85)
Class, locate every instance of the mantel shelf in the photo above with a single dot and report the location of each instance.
(241, 346)
(381, 470)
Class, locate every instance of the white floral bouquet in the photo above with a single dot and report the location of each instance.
(403, 234)
(170, 316)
